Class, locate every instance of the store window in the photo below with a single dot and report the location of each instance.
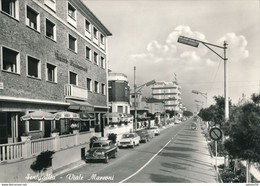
(34, 125)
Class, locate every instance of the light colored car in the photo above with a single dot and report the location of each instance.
(129, 140)
(155, 130)
(177, 121)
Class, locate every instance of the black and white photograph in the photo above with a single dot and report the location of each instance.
(129, 91)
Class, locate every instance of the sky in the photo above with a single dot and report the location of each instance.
(145, 33)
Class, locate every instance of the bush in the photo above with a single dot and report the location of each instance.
(112, 137)
(43, 161)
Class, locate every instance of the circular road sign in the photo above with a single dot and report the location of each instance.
(215, 134)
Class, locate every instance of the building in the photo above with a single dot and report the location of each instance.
(118, 93)
(53, 57)
(169, 92)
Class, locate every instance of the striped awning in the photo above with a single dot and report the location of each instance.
(38, 115)
(66, 115)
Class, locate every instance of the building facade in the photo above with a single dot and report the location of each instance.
(53, 57)
(169, 93)
(118, 93)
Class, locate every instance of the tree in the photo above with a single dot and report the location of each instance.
(244, 141)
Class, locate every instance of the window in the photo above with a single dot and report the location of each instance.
(51, 4)
(51, 73)
(95, 57)
(72, 43)
(102, 62)
(71, 12)
(87, 25)
(33, 19)
(73, 78)
(33, 67)
(34, 125)
(95, 32)
(88, 53)
(10, 7)
(102, 38)
(120, 109)
(89, 84)
(96, 87)
(11, 60)
(50, 30)
(103, 91)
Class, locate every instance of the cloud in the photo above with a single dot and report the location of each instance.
(236, 46)
(170, 51)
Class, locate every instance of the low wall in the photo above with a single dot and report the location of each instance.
(119, 130)
(19, 171)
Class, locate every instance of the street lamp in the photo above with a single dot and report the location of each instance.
(135, 91)
(195, 43)
(203, 94)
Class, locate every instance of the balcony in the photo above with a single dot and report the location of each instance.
(75, 92)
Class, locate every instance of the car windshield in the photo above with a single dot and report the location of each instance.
(97, 145)
(128, 135)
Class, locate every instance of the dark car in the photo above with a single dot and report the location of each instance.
(102, 150)
(145, 135)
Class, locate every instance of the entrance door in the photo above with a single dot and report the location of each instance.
(3, 128)
(47, 125)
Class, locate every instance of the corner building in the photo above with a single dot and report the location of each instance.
(53, 57)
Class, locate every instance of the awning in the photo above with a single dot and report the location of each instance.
(113, 115)
(66, 115)
(86, 116)
(80, 105)
(38, 115)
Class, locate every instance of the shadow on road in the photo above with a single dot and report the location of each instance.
(167, 179)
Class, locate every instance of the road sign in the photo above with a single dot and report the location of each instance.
(215, 134)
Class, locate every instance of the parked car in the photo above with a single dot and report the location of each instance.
(155, 130)
(129, 139)
(145, 135)
(102, 150)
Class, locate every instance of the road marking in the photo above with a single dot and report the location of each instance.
(148, 161)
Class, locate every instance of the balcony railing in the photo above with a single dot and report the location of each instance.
(21, 150)
(73, 91)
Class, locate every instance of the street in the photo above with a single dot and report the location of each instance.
(178, 155)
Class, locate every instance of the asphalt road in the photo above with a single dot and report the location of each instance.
(178, 155)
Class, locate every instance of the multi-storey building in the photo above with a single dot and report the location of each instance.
(118, 93)
(169, 92)
(53, 57)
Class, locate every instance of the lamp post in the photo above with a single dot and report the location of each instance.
(195, 43)
(203, 94)
(137, 89)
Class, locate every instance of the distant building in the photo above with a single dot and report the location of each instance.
(169, 93)
(118, 93)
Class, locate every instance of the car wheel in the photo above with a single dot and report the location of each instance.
(106, 158)
(133, 146)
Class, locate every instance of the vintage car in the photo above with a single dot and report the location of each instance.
(129, 139)
(155, 130)
(102, 150)
(145, 135)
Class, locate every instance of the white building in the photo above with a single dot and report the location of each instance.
(169, 92)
